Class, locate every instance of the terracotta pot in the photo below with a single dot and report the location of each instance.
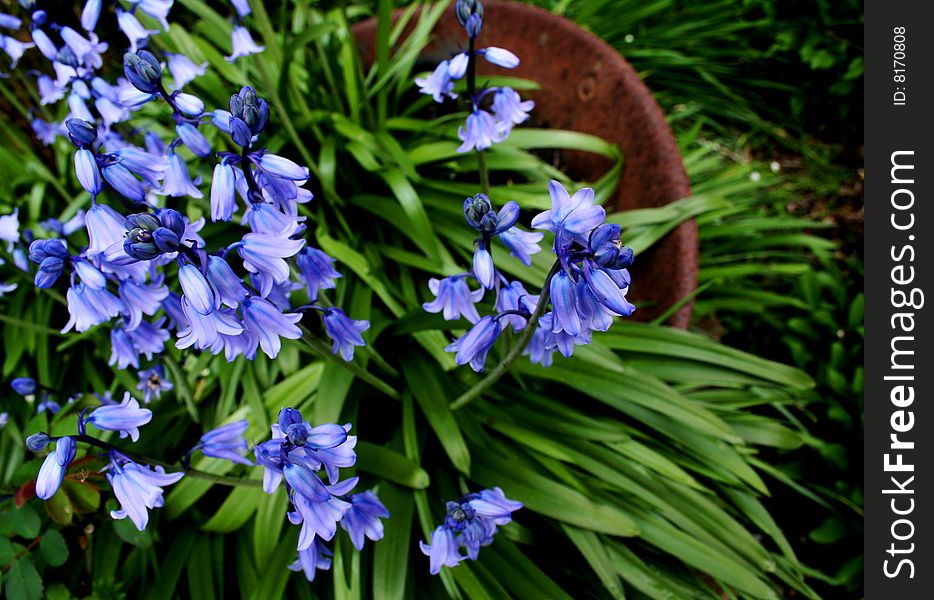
(588, 87)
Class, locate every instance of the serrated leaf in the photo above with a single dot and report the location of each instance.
(22, 581)
(53, 548)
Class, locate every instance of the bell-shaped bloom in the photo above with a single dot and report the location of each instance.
(264, 253)
(483, 268)
(363, 518)
(90, 14)
(87, 50)
(122, 351)
(24, 385)
(454, 299)
(193, 139)
(268, 323)
(439, 85)
(509, 108)
(9, 228)
(442, 550)
(228, 288)
(473, 346)
(132, 28)
(53, 469)
(183, 70)
(45, 45)
(89, 176)
(126, 417)
(522, 244)
(457, 67)
(89, 274)
(479, 132)
(122, 180)
(188, 104)
(144, 164)
(500, 57)
(223, 192)
(267, 219)
(149, 338)
(570, 217)
(137, 488)
(514, 297)
(88, 307)
(317, 270)
(197, 290)
(157, 9)
(12, 22)
(152, 383)
(318, 519)
(177, 179)
(226, 442)
(105, 228)
(344, 332)
(37, 442)
(305, 482)
(494, 505)
(279, 166)
(313, 558)
(14, 48)
(606, 291)
(243, 44)
(203, 330)
(564, 302)
(141, 299)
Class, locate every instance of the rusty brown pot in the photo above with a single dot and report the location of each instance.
(587, 86)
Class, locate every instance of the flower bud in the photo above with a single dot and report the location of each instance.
(473, 26)
(38, 441)
(165, 239)
(467, 8)
(143, 71)
(476, 208)
(80, 132)
(24, 386)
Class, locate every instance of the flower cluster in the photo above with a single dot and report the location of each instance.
(586, 289)
(297, 453)
(470, 523)
(483, 127)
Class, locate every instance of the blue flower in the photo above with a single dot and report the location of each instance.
(53, 469)
(203, 331)
(564, 300)
(606, 291)
(86, 169)
(522, 244)
(14, 48)
(132, 28)
(474, 345)
(454, 299)
(279, 166)
(190, 105)
(9, 228)
(442, 550)
(126, 417)
(152, 383)
(500, 57)
(363, 518)
(197, 291)
(47, 404)
(483, 268)
(121, 179)
(10, 21)
(193, 139)
(242, 7)
(570, 217)
(243, 44)
(509, 108)
(226, 442)
(183, 70)
(177, 179)
(90, 14)
(88, 307)
(137, 488)
(122, 351)
(37, 442)
(143, 71)
(344, 331)
(223, 192)
(263, 253)
(317, 270)
(24, 386)
(228, 288)
(105, 228)
(513, 297)
(480, 131)
(314, 557)
(439, 84)
(141, 299)
(268, 324)
(318, 516)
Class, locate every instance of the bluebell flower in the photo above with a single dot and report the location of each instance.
(344, 331)
(564, 300)
(49, 91)
(126, 417)
(188, 104)
(464, 9)
(14, 48)
(123, 352)
(542, 345)
(203, 331)
(265, 254)
(53, 469)
(521, 244)
(470, 522)
(137, 488)
(149, 338)
(608, 250)
(88, 307)
(514, 297)
(89, 274)
(311, 559)
(266, 218)
(157, 9)
(152, 383)
(193, 139)
(141, 299)
(183, 70)
(457, 67)
(223, 192)
(509, 109)
(268, 324)
(143, 70)
(121, 179)
(454, 299)
(10, 21)
(317, 516)
(439, 85)
(47, 403)
(480, 131)
(197, 290)
(90, 14)
(226, 442)
(317, 271)
(9, 228)
(499, 57)
(50, 255)
(606, 291)
(442, 549)
(242, 7)
(105, 228)
(87, 50)
(37, 442)
(24, 385)
(228, 288)
(86, 169)
(45, 132)
(150, 167)
(178, 183)
(473, 346)
(570, 217)
(133, 29)
(483, 268)
(45, 45)
(363, 518)
(243, 44)
(280, 166)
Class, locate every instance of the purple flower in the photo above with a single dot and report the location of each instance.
(500, 57)
(228, 289)
(14, 48)
(442, 550)
(53, 469)
(137, 488)
(268, 323)
(177, 179)
(88, 307)
(226, 442)
(317, 270)
(474, 345)
(90, 14)
(223, 192)
(279, 166)
(344, 331)
(514, 297)
(183, 70)
(243, 44)
(439, 84)
(197, 290)
(86, 169)
(152, 383)
(193, 139)
(105, 228)
(480, 131)
(203, 331)
(263, 253)
(24, 386)
(363, 518)
(453, 298)
(564, 300)
(509, 108)
(141, 299)
(126, 417)
(570, 217)
(131, 28)
(522, 244)
(314, 557)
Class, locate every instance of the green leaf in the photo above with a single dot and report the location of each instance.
(433, 400)
(22, 581)
(390, 465)
(200, 570)
(53, 548)
(270, 518)
(128, 532)
(335, 384)
(275, 567)
(590, 546)
(236, 509)
(391, 557)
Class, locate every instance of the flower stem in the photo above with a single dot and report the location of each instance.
(471, 93)
(527, 332)
(221, 479)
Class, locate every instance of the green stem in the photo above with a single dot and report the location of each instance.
(321, 349)
(221, 479)
(471, 92)
(516, 351)
(484, 174)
